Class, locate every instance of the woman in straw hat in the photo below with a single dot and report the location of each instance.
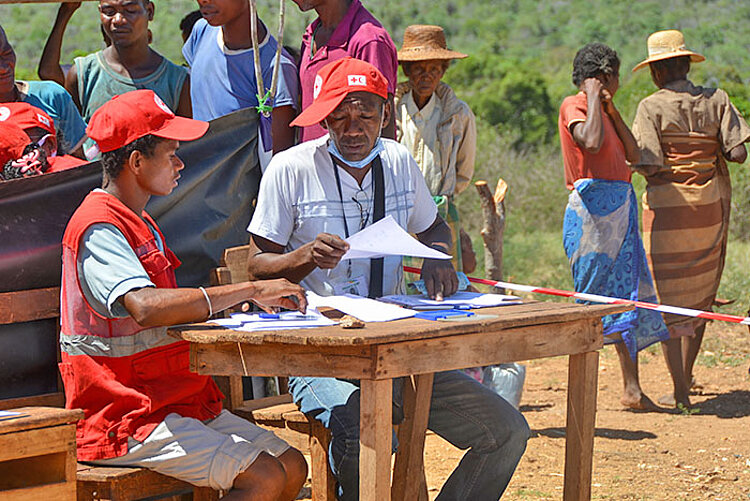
(600, 229)
(685, 133)
(437, 128)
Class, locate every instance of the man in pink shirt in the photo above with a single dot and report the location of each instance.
(344, 28)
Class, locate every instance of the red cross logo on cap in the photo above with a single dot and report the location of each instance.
(317, 86)
(161, 105)
(4, 113)
(42, 119)
(357, 80)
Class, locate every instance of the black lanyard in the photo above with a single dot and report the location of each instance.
(378, 213)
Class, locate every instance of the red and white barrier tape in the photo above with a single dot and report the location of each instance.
(676, 310)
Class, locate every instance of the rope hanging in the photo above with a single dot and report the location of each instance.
(265, 96)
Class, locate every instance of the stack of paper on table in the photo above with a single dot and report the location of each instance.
(462, 299)
(285, 320)
(365, 309)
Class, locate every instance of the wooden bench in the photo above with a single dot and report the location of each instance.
(38, 454)
(130, 484)
(276, 413)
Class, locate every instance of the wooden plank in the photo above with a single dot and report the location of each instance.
(375, 440)
(45, 400)
(231, 387)
(583, 372)
(235, 259)
(536, 313)
(250, 406)
(33, 471)
(28, 305)
(408, 472)
(295, 434)
(281, 360)
(487, 348)
(29, 443)
(323, 482)
(62, 491)
(39, 417)
(126, 484)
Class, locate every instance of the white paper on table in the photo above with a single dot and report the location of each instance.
(363, 308)
(387, 238)
(459, 299)
(286, 320)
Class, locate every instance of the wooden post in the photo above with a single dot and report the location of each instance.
(493, 215)
(583, 372)
(375, 431)
(408, 471)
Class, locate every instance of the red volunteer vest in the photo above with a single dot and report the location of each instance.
(124, 377)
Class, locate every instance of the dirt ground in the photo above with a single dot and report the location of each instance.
(702, 453)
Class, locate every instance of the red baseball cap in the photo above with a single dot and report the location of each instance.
(136, 114)
(337, 79)
(13, 140)
(26, 116)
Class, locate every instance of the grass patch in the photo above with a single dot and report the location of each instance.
(715, 351)
(531, 493)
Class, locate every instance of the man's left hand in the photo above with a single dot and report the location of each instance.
(439, 277)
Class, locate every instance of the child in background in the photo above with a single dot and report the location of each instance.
(219, 52)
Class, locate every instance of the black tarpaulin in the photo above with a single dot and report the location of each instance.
(208, 212)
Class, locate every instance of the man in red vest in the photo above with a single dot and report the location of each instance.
(143, 407)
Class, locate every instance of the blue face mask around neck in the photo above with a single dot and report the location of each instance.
(359, 164)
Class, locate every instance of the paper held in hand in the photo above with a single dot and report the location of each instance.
(387, 238)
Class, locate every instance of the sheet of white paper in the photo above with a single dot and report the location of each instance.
(461, 299)
(10, 415)
(387, 238)
(365, 309)
(286, 320)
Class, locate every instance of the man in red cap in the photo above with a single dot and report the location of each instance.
(317, 193)
(40, 128)
(143, 407)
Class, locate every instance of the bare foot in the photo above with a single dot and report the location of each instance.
(669, 400)
(639, 402)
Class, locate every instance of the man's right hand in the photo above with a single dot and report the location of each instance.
(592, 87)
(272, 294)
(326, 250)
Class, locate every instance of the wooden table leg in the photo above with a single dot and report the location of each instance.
(375, 431)
(408, 472)
(583, 372)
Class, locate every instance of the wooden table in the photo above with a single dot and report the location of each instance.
(414, 347)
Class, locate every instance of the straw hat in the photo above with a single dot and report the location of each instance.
(666, 44)
(423, 42)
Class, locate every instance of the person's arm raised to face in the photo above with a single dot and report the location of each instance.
(438, 274)
(632, 152)
(590, 134)
(49, 64)
(267, 259)
(153, 307)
